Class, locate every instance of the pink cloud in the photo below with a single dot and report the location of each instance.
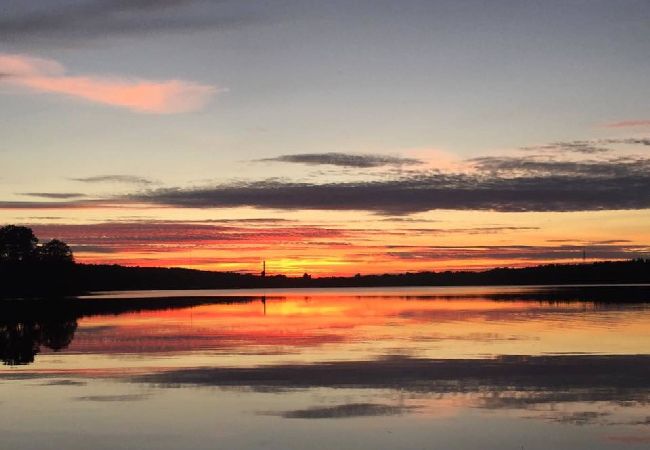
(146, 96)
(628, 124)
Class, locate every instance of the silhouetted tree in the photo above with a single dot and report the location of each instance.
(17, 244)
(28, 269)
(55, 251)
(21, 341)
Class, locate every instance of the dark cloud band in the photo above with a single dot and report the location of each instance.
(105, 18)
(54, 195)
(621, 188)
(128, 179)
(344, 160)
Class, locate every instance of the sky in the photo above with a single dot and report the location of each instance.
(336, 137)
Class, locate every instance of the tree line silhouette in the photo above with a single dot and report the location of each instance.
(30, 269)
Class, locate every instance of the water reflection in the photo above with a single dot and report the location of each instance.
(21, 341)
(261, 370)
(326, 325)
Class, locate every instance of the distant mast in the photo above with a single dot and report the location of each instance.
(263, 274)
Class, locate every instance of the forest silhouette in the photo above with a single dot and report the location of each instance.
(30, 269)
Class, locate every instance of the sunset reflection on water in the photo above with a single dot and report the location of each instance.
(376, 358)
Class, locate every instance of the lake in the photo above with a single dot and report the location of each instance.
(432, 368)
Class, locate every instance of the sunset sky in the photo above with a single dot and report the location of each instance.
(328, 137)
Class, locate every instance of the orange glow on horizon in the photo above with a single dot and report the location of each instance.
(239, 240)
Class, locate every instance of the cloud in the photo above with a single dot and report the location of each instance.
(57, 205)
(538, 183)
(520, 252)
(474, 230)
(407, 219)
(54, 195)
(507, 184)
(94, 249)
(139, 95)
(628, 141)
(585, 147)
(127, 179)
(164, 236)
(113, 398)
(92, 19)
(65, 382)
(537, 167)
(344, 160)
(346, 411)
(628, 124)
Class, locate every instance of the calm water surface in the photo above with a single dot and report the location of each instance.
(434, 368)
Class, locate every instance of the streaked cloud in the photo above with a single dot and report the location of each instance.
(508, 184)
(346, 410)
(165, 234)
(138, 95)
(539, 167)
(91, 19)
(113, 398)
(521, 252)
(72, 204)
(628, 123)
(628, 141)
(344, 160)
(126, 179)
(467, 231)
(54, 195)
(586, 147)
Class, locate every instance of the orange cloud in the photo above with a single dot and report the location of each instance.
(628, 123)
(145, 96)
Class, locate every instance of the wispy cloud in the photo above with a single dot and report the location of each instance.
(344, 160)
(127, 179)
(113, 398)
(54, 195)
(628, 123)
(586, 147)
(176, 233)
(91, 19)
(346, 410)
(139, 95)
(520, 252)
(72, 204)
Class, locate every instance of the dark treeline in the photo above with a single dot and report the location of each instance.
(30, 269)
(107, 277)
